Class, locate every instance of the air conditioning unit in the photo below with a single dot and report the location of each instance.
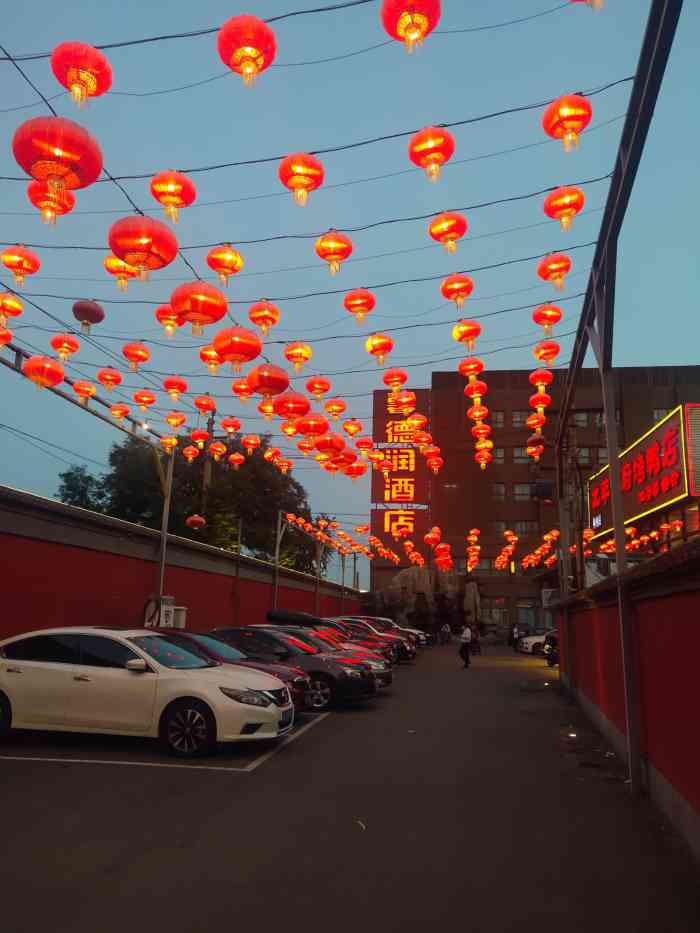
(179, 616)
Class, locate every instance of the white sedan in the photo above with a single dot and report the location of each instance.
(136, 682)
(533, 644)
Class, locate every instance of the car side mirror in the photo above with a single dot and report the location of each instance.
(137, 666)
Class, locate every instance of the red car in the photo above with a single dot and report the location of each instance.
(362, 637)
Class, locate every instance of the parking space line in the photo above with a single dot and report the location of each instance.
(291, 738)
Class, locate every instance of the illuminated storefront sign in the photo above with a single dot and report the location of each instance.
(654, 471)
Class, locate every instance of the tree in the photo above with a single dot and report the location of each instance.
(80, 488)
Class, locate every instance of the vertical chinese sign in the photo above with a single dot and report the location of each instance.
(400, 501)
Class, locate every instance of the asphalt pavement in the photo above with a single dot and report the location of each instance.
(466, 799)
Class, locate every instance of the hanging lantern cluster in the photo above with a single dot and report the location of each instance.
(471, 368)
(505, 556)
(544, 553)
(473, 549)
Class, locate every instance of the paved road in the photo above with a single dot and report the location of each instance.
(461, 802)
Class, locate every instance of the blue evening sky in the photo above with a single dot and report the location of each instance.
(311, 106)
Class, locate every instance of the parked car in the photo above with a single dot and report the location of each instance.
(332, 680)
(212, 646)
(136, 682)
(551, 648)
(533, 644)
(404, 644)
(383, 624)
(358, 636)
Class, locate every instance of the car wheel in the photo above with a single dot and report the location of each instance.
(5, 717)
(537, 649)
(321, 692)
(188, 729)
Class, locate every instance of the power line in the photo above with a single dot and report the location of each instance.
(42, 440)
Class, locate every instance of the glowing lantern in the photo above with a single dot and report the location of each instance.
(535, 447)
(168, 443)
(65, 345)
(329, 444)
(417, 421)
(50, 203)
(554, 268)
(84, 390)
(272, 454)
(435, 464)
(211, 358)
(217, 450)
(484, 444)
(334, 248)
(593, 4)
(430, 450)
(247, 46)
(546, 352)
(480, 431)
(404, 401)
(266, 409)
(289, 429)
(476, 391)
(237, 345)
(43, 371)
(394, 379)
(241, 388)
(291, 405)
(5, 336)
(322, 458)
(236, 459)
(447, 228)
(410, 21)
(301, 173)
(541, 378)
(330, 467)
(483, 458)
(566, 118)
(225, 261)
(359, 302)
(312, 425)
(121, 271)
(385, 467)
(335, 407)
(305, 445)
(195, 522)
(190, 453)
(199, 437)
(540, 401)
(174, 191)
(268, 380)
(144, 398)
(231, 425)
(364, 445)
(478, 413)
(430, 149)
(375, 457)
(119, 411)
(352, 427)
(355, 470)
(169, 319)
(379, 346)
(422, 438)
(175, 419)
(470, 368)
(10, 306)
(547, 316)
(82, 70)
(143, 243)
(466, 332)
(58, 152)
(21, 262)
(298, 354)
(174, 386)
(135, 353)
(264, 315)
(563, 204)
(536, 421)
(284, 466)
(250, 443)
(109, 378)
(457, 288)
(200, 304)
(318, 386)
(205, 405)
(87, 313)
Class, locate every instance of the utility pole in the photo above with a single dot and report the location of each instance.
(278, 544)
(239, 546)
(165, 518)
(355, 581)
(342, 585)
(206, 474)
(317, 595)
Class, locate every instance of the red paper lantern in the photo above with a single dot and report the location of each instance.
(288, 428)
(50, 203)
(334, 248)
(364, 445)
(379, 346)
(481, 431)
(200, 304)
(109, 378)
(84, 390)
(144, 398)
(318, 386)
(329, 443)
(225, 261)
(355, 470)
(430, 149)
(430, 450)
(447, 228)
(266, 409)
(476, 391)
(272, 454)
(65, 345)
(43, 371)
(457, 288)
(217, 450)
(210, 358)
(352, 427)
(57, 151)
(264, 315)
(359, 303)
(5, 336)
(536, 422)
(301, 173)
(435, 464)
(10, 306)
(546, 352)
(174, 191)
(81, 69)
(237, 345)
(466, 332)
(284, 466)
(410, 21)
(87, 313)
(121, 271)
(535, 447)
(477, 413)
(298, 354)
(143, 243)
(291, 405)
(21, 262)
(190, 453)
(566, 118)
(423, 439)
(312, 425)
(135, 353)
(405, 401)
(250, 443)
(119, 411)
(230, 425)
(417, 421)
(247, 46)
(175, 419)
(169, 319)
(547, 316)
(199, 437)
(541, 378)
(241, 388)
(305, 445)
(268, 380)
(344, 459)
(563, 204)
(540, 401)
(174, 386)
(195, 522)
(205, 405)
(236, 459)
(483, 458)
(554, 268)
(470, 368)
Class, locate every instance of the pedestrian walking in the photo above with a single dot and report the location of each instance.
(515, 636)
(465, 640)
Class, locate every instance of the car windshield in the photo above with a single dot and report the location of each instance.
(219, 647)
(171, 654)
(301, 647)
(381, 626)
(322, 640)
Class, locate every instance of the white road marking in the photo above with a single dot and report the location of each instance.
(295, 735)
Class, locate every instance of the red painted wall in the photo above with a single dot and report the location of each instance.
(55, 584)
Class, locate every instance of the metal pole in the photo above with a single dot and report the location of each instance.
(278, 544)
(342, 585)
(317, 594)
(167, 497)
(206, 473)
(238, 569)
(355, 581)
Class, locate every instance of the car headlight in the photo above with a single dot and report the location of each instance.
(249, 697)
(351, 671)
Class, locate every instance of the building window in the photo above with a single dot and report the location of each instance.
(498, 528)
(498, 492)
(484, 565)
(660, 413)
(519, 418)
(584, 456)
(498, 455)
(521, 492)
(600, 419)
(526, 529)
(497, 419)
(520, 455)
(580, 419)
(602, 455)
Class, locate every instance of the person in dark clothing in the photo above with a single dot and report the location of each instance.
(465, 640)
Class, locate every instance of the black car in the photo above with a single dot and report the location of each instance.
(332, 680)
(386, 646)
